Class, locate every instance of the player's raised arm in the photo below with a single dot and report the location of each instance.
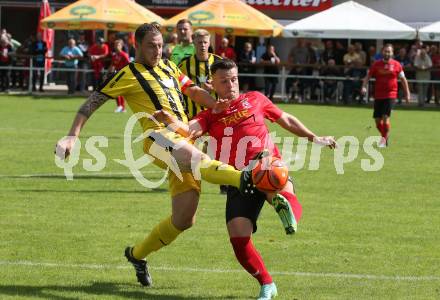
(193, 129)
(203, 98)
(94, 101)
(292, 124)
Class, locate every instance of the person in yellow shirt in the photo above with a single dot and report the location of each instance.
(197, 68)
(150, 84)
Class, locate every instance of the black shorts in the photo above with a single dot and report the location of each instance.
(249, 206)
(383, 107)
(238, 205)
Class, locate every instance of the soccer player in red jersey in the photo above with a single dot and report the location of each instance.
(97, 53)
(240, 133)
(386, 72)
(119, 60)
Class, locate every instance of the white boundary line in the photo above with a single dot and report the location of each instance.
(94, 174)
(202, 270)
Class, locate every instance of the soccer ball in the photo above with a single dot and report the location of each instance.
(270, 174)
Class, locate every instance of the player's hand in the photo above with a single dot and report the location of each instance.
(407, 99)
(163, 116)
(364, 91)
(207, 86)
(328, 141)
(221, 105)
(64, 146)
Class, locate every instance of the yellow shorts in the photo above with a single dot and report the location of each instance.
(164, 139)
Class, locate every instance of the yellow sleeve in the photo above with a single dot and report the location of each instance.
(119, 84)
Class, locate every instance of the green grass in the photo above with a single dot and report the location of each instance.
(64, 239)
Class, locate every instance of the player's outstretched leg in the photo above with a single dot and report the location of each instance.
(268, 291)
(285, 212)
(141, 268)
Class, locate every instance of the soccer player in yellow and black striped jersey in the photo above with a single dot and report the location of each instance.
(197, 68)
(150, 84)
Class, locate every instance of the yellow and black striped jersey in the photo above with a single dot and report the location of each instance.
(147, 89)
(199, 72)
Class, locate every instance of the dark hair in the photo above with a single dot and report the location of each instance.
(183, 21)
(145, 28)
(223, 64)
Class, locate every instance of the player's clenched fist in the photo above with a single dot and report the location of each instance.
(64, 146)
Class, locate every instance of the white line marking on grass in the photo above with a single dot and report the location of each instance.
(201, 270)
(79, 175)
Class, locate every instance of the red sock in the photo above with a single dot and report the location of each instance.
(380, 127)
(294, 204)
(120, 101)
(250, 259)
(386, 129)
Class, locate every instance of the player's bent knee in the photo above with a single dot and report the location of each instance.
(184, 222)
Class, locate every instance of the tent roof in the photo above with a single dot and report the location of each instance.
(350, 20)
(430, 32)
(119, 15)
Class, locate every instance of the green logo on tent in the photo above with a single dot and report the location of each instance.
(82, 10)
(200, 16)
(110, 25)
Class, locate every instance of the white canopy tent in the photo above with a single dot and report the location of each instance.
(430, 32)
(350, 20)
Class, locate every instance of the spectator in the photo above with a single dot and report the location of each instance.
(423, 64)
(247, 58)
(329, 53)
(83, 45)
(119, 60)
(353, 86)
(185, 46)
(226, 51)
(298, 57)
(172, 42)
(131, 49)
(39, 50)
(339, 53)
(371, 56)
(435, 74)
(330, 85)
(351, 56)
(361, 53)
(405, 62)
(272, 60)
(18, 77)
(5, 60)
(97, 53)
(71, 53)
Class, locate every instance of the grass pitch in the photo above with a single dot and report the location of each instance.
(364, 235)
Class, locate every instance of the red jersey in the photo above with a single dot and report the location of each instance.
(120, 60)
(98, 50)
(386, 75)
(240, 131)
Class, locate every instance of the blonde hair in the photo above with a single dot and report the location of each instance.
(201, 33)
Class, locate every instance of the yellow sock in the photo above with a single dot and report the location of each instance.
(161, 235)
(216, 172)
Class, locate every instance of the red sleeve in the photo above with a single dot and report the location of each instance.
(270, 110)
(126, 59)
(105, 50)
(203, 119)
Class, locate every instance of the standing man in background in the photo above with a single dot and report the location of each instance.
(71, 53)
(185, 47)
(39, 50)
(386, 72)
(197, 68)
(97, 53)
